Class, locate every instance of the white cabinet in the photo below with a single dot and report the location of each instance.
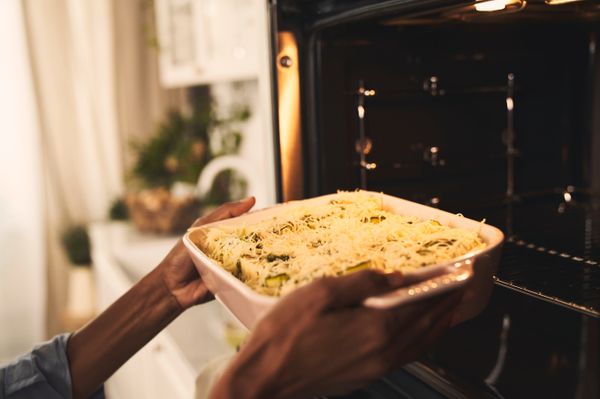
(155, 372)
(207, 41)
(168, 374)
(226, 44)
(169, 365)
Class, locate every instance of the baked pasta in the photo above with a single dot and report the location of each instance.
(351, 232)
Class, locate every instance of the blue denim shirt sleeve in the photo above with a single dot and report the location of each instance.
(41, 373)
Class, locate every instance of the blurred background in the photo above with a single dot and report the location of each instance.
(122, 121)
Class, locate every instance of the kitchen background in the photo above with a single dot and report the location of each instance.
(121, 121)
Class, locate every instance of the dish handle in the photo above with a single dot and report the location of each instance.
(453, 277)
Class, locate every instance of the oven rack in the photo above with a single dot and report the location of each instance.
(411, 93)
(556, 277)
(552, 251)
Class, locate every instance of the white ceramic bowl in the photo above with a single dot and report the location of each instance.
(474, 269)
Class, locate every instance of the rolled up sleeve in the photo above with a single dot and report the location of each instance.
(42, 373)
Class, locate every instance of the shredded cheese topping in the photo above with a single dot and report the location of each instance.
(352, 232)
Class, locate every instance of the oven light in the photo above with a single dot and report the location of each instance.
(368, 165)
(491, 5)
(361, 111)
(510, 104)
(567, 196)
(558, 2)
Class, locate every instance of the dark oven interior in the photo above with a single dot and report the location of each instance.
(437, 118)
(493, 115)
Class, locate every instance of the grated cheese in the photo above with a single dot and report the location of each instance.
(350, 233)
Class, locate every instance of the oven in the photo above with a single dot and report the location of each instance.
(490, 109)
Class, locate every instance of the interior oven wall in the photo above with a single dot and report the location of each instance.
(466, 118)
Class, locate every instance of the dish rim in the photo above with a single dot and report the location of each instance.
(423, 272)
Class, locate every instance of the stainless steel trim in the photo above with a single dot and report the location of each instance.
(290, 140)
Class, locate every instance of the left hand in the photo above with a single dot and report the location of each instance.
(177, 269)
(321, 340)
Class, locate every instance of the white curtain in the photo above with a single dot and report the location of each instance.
(71, 44)
(141, 101)
(72, 56)
(97, 87)
(22, 249)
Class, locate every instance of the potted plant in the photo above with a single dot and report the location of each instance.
(80, 299)
(162, 198)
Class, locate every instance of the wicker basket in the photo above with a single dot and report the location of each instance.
(157, 211)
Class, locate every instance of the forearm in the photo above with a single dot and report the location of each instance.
(97, 350)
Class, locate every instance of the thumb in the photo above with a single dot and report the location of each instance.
(353, 289)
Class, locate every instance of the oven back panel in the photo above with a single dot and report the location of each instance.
(463, 118)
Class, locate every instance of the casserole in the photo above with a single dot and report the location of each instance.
(475, 269)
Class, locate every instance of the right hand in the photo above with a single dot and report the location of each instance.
(320, 340)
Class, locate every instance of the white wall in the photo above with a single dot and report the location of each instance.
(22, 246)
(257, 144)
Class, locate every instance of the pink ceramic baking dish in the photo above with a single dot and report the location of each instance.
(475, 270)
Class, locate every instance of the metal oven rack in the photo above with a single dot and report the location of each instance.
(552, 250)
(559, 278)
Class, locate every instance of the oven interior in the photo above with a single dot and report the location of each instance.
(494, 117)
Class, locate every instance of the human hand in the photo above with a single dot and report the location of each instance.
(177, 269)
(320, 340)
